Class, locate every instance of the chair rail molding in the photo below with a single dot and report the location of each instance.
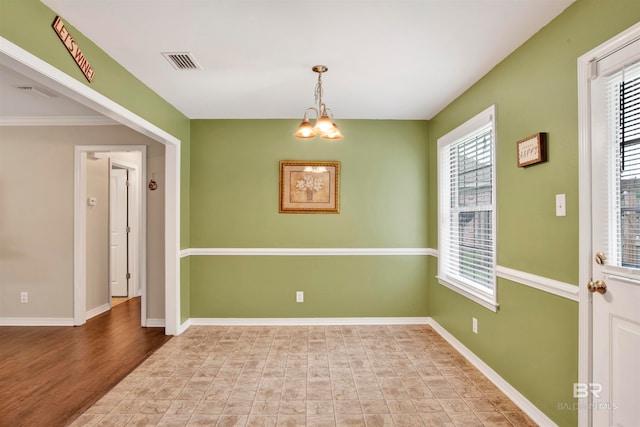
(304, 251)
(555, 287)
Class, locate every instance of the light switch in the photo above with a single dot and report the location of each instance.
(561, 205)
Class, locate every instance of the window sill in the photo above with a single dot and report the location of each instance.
(470, 294)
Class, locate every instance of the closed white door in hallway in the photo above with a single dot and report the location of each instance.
(615, 286)
(118, 214)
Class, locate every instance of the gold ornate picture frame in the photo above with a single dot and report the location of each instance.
(309, 186)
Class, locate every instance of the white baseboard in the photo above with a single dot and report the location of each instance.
(523, 403)
(308, 321)
(36, 321)
(155, 323)
(98, 310)
(184, 326)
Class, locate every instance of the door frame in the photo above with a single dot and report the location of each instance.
(80, 226)
(18, 59)
(585, 339)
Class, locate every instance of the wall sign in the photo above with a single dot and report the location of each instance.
(73, 48)
(532, 149)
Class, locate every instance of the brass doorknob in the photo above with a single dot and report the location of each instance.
(598, 286)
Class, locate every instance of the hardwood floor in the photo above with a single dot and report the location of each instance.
(51, 375)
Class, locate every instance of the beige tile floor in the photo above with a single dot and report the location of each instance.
(306, 376)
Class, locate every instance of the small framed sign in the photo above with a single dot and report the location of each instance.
(532, 149)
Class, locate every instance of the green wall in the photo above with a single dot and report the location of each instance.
(27, 23)
(383, 204)
(229, 186)
(333, 286)
(532, 341)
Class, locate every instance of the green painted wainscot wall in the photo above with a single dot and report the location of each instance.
(235, 199)
(532, 341)
(27, 23)
(229, 187)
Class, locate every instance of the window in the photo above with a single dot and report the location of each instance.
(466, 207)
(623, 125)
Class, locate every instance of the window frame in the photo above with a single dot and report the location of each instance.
(457, 135)
(616, 112)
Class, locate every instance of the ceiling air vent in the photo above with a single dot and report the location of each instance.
(36, 91)
(182, 60)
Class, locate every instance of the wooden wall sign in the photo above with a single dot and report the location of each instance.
(532, 149)
(73, 48)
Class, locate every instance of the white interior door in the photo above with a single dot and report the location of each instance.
(615, 109)
(118, 216)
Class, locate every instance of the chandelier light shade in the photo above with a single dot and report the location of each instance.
(324, 125)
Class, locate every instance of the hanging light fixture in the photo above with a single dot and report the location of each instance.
(324, 125)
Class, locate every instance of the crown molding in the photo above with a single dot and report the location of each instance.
(57, 121)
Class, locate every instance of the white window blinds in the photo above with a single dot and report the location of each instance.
(471, 195)
(467, 208)
(623, 104)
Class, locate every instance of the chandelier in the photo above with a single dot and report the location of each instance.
(324, 125)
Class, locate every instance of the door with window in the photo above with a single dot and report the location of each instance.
(615, 285)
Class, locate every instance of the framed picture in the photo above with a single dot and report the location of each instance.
(309, 187)
(532, 149)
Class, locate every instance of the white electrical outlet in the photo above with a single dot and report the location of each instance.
(299, 296)
(474, 326)
(24, 297)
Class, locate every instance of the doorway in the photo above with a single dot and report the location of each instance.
(22, 61)
(609, 122)
(129, 273)
(125, 224)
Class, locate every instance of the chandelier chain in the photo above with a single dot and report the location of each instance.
(318, 92)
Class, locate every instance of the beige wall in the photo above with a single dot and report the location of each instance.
(97, 233)
(36, 217)
(36, 223)
(155, 232)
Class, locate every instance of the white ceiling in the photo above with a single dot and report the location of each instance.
(387, 59)
(23, 97)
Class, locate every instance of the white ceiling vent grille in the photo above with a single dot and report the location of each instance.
(182, 60)
(36, 91)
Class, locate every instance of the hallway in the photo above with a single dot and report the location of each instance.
(51, 375)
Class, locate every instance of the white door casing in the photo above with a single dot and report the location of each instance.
(118, 233)
(18, 59)
(610, 381)
(139, 241)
